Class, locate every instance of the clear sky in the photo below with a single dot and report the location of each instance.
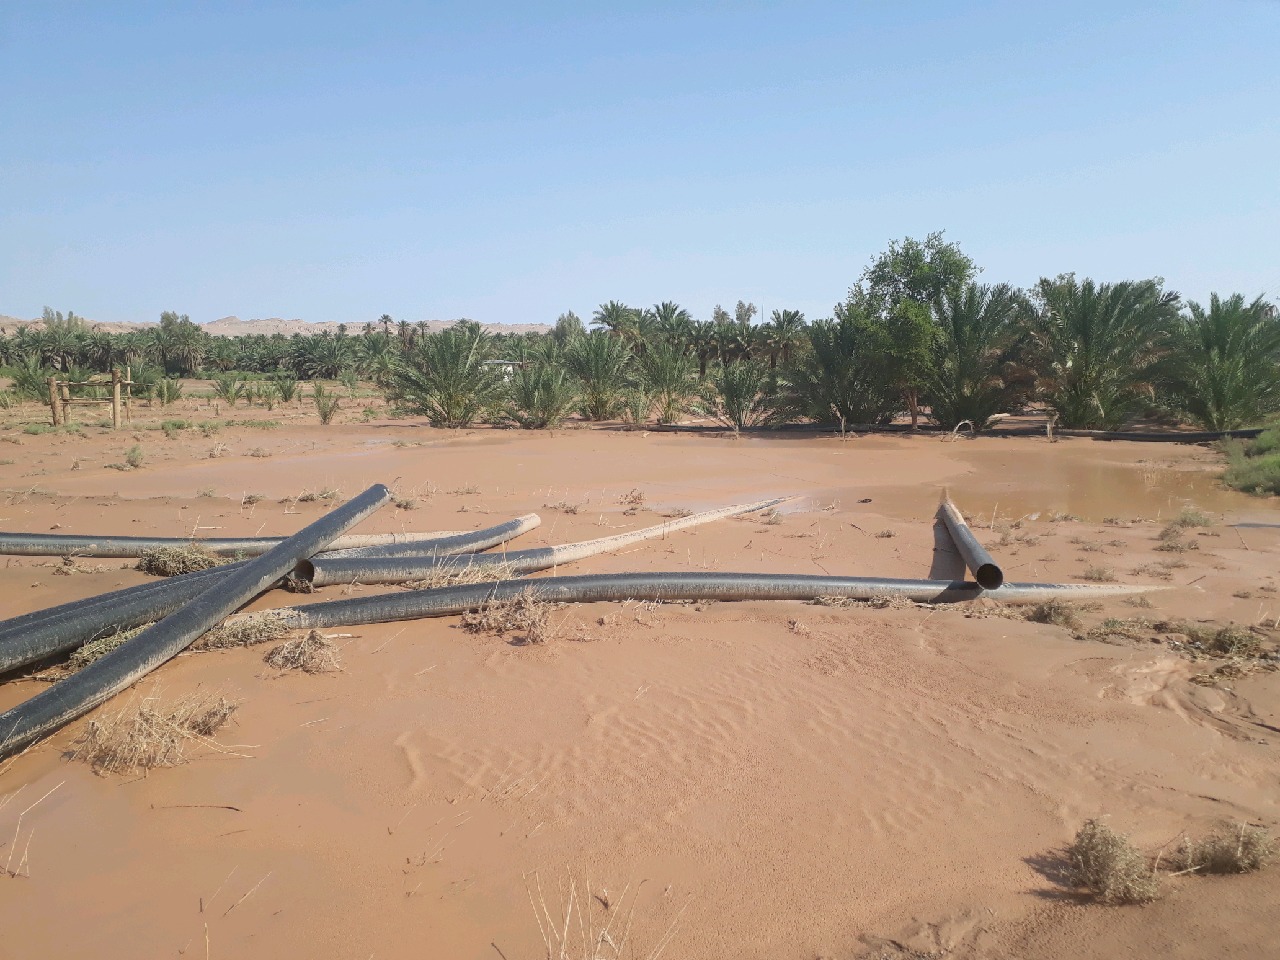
(509, 161)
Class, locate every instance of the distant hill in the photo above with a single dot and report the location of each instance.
(235, 327)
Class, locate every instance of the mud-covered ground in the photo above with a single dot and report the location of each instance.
(748, 780)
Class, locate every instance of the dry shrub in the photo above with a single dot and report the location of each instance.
(633, 498)
(564, 506)
(1229, 851)
(243, 632)
(523, 613)
(151, 735)
(1056, 612)
(451, 574)
(173, 561)
(885, 534)
(1099, 575)
(1107, 865)
(313, 653)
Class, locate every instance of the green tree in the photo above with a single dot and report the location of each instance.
(842, 376)
(180, 343)
(916, 270)
(667, 374)
(568, 327)
(975, 374)
(1224, 366)
(1097, 346)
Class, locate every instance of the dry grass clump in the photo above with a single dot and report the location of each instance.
(1228, 641)
(523, 613)
(564, 506)
(97, 649)
(313, 653)
(1243, 850)
(880, 602)
(1107, 865)
(452, 574)
(1099, 575)
(151, 735)
(885, 534)
(1172, 541)
(633, 498)
(243, 632)
(173, 561)
(1056, 612)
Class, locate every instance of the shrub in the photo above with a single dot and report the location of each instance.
(173, 561)
(326, 403)
(1056, 612)
(228, 388)
(1109, 867)
(134, 456)
(1238, 851)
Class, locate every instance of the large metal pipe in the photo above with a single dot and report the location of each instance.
(444, 601)
(63, 545)
(322, 571)
(102, 679)
(447, 544)
(33, 637)
(985, 570)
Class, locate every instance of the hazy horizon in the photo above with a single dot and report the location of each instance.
(338, 162)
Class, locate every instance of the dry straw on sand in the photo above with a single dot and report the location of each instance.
(524, 613)
(314, 653)
(152, 734)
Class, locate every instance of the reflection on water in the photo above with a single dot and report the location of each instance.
(1094, 491)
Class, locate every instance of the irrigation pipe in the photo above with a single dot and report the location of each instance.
(985, 570)
(445, 601)
(322, 571)
(63, 545)
(95, 684)
(32, 637)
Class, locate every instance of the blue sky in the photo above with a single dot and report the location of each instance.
(507, 162)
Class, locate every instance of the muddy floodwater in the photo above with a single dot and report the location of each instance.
(700, 780)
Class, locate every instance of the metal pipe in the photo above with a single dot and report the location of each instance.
(95, 684)
(81, 545)
(321, 571)
(445, 601)
(985, 570)
(443, 545)
(36, 636)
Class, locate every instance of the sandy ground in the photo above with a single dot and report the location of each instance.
(750, 780)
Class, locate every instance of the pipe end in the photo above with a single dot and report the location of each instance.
(989, 576)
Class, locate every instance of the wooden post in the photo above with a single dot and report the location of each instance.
(128, 394)
(115, 399)
(64, 391)
(53, 400)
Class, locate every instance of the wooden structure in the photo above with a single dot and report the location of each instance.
(61, 401)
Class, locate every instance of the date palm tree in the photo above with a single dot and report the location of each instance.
(975, 375)
(444, 376)
(1098, 345)
(1224, 367)
(602, 364)
(667, 374)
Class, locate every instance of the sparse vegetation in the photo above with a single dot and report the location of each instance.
(1099, 575)
(1059, 613)
(246, 631)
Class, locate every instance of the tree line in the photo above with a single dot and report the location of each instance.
(918, 335)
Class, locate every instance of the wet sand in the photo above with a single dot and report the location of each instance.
(768, 780)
